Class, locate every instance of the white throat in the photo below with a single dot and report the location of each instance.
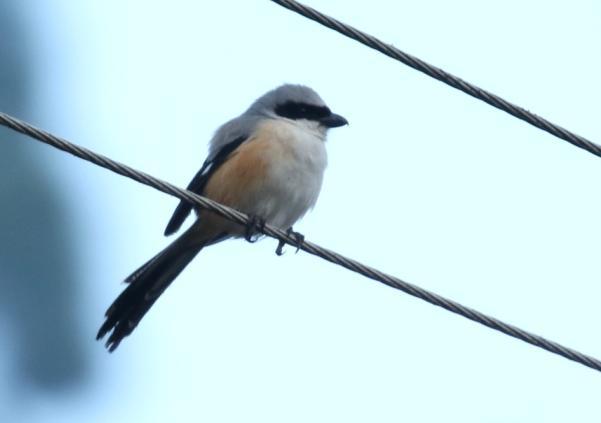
(310, 126)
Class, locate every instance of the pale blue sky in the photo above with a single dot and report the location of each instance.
(426, 183)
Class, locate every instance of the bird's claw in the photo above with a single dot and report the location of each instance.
(254, 228)
(299, 239)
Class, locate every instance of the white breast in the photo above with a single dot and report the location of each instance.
(295, 171)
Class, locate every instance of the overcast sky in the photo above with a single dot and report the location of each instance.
(426, 183)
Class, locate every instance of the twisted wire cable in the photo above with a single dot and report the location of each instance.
(441, 75)
(309, 247)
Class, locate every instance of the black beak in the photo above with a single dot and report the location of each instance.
(333, 121)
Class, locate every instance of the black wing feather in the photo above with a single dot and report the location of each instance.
(198, 183)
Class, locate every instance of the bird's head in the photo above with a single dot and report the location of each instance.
(300, 104)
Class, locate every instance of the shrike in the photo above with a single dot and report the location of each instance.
(268, 163)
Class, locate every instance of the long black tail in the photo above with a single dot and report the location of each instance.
(145, 286)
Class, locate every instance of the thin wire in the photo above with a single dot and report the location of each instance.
(307, 246)
(441, 75)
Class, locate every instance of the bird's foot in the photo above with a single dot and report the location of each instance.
(254, 228)
(299, 239)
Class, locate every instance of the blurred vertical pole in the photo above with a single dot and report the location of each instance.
(38, 285)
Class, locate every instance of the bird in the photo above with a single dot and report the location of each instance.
(268, 162)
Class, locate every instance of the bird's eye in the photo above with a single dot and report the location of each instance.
(297, 110)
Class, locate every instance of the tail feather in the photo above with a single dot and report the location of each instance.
(145, 286)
